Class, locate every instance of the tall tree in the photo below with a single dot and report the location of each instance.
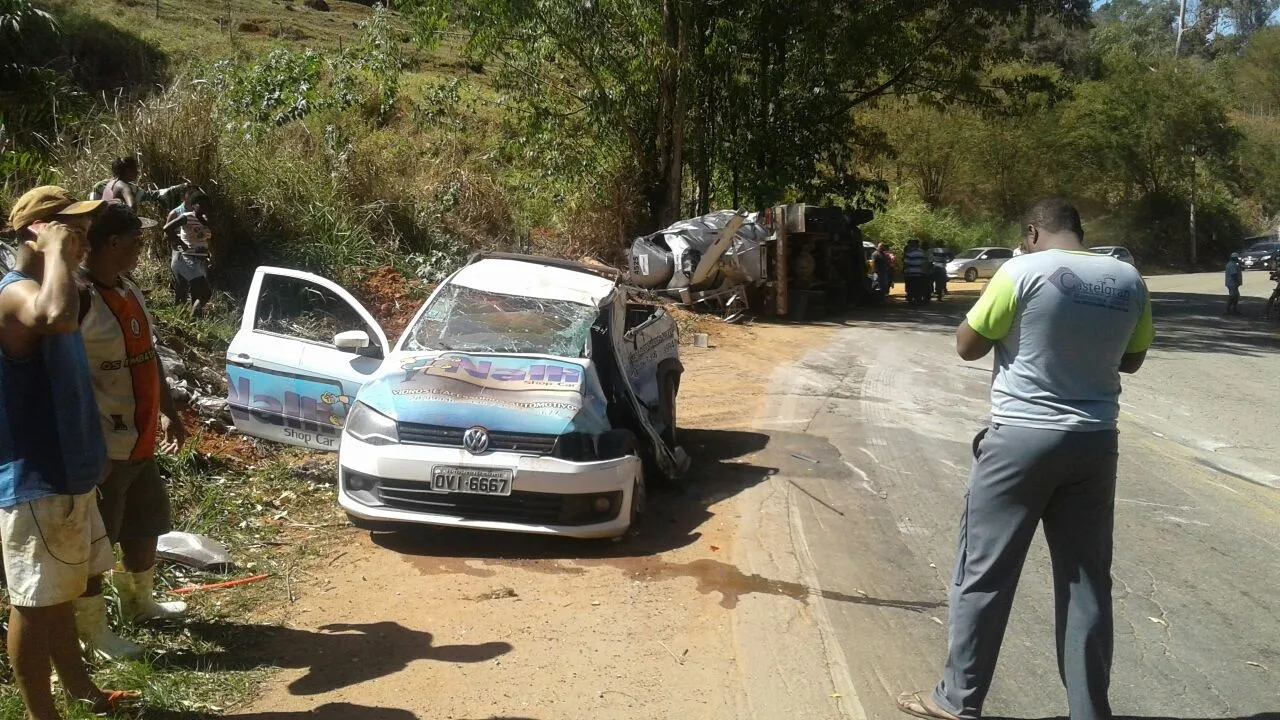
(1148, 130)
(630, 73)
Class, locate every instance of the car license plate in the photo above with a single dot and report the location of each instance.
(475, 481)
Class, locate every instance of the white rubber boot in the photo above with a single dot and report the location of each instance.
(96, 636)
(137, 597)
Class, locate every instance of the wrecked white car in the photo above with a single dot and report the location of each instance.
(526, 395)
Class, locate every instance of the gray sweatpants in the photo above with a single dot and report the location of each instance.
(1020, 478)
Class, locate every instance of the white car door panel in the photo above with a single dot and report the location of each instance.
(286, 380)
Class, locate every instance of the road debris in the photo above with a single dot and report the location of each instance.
(194, 551)
(678, 658)
(498, 594)
(220, 585)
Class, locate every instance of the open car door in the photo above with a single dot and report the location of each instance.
(304, 348)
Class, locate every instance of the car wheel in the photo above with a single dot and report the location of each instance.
(670, 385)
(971, 275)
(639, 498)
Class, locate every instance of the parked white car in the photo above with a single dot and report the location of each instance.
(1114, 251)
(526, 395)
(976, 263)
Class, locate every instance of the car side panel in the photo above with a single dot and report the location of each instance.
(647, 346)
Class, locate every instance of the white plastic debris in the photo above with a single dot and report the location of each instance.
(194, 551)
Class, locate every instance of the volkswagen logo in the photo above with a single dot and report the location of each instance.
(476, 440)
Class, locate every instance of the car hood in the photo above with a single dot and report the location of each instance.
(506, 393)
(1255, 254)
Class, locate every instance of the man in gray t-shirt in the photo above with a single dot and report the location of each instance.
(1064, 324)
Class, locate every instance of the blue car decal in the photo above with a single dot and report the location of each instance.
(498, 392)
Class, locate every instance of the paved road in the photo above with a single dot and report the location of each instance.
(881, 421)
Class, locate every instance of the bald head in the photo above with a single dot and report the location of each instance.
(1052, 223)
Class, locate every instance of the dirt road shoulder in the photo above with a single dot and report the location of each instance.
(445, 624)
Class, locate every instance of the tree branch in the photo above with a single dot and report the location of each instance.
(902, 72)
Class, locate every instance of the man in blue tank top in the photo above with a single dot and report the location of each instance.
(52, 453)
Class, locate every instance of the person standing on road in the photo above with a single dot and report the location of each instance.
(939, 273)
(915, 273)
(133, 403)
(52, 453)
(882, 266)
(1064, 323)
(1235, 278)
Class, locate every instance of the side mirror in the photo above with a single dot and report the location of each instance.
(351, 340)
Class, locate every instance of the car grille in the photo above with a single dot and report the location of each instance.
(518, 507)
(420, 434)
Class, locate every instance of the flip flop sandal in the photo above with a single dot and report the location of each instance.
(912, 703)
(113, 701)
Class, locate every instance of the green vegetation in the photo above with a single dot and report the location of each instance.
(335, 140)
(274, 518)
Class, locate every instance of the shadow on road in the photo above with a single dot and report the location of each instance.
(1259, 716)
(1194, 322)
(341, 655)
(328, 711)
(673, 522)
(1185, 322)
(938, 316)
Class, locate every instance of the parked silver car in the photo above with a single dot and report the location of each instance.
(977, 263)
(1115, 251)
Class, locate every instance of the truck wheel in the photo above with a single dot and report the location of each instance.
(971, 275)
(670, 383)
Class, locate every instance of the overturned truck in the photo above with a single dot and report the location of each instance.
(795, 261)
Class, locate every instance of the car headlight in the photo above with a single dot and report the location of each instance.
(368, 425)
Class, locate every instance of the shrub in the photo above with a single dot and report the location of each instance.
(907, 216)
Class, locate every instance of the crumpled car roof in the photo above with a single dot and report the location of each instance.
(516, 277)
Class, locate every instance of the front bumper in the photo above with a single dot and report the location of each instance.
(548, 497)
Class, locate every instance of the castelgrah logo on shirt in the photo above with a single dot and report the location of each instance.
(1104, 293)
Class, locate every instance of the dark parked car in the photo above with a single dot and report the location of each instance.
(1261, 256)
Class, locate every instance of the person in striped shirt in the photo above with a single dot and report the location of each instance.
(915, 272)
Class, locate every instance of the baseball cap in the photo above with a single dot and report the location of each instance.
(45, 203)
(1235, 256)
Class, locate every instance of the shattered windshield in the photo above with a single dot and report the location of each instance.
(468, 320)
